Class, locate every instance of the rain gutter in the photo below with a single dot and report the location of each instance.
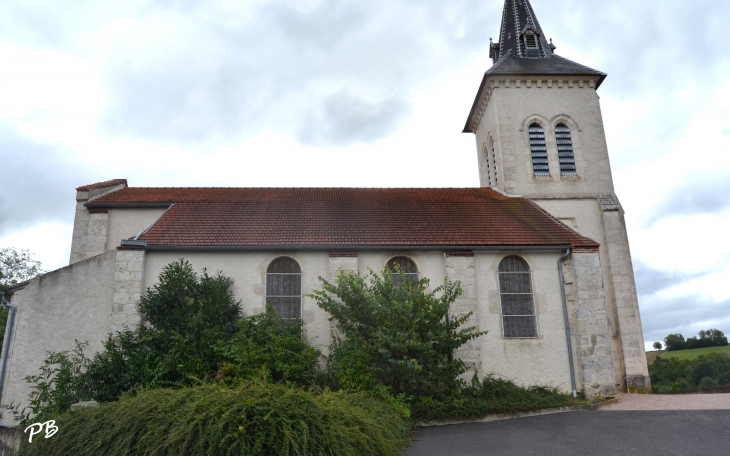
(6, 343)
(567, 321)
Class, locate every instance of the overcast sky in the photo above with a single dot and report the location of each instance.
(375, 94)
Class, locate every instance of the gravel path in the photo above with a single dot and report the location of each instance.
(670, 402)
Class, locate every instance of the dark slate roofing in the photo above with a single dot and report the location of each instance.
(343, 217)
(516, 16)
(551, 65)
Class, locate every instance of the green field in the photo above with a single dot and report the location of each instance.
(690, 354)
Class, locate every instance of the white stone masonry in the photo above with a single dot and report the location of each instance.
(589, 324)
(128, 283)
(461, 268)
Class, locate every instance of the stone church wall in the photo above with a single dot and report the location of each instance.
(53, 310)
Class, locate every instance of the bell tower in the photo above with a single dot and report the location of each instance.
(539, 134)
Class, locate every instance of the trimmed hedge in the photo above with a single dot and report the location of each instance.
(252, 419)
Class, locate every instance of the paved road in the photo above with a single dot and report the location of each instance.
(644, 433)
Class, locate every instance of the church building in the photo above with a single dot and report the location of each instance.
(540, 248)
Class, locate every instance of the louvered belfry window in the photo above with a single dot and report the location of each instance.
(565, 151)
(518, 306)
(538, 150)
(406, 266)
(284, 287)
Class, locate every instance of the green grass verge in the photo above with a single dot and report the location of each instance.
(694, 353)
(253, 419)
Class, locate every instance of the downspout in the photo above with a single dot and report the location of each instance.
(567, 321)
(6, 342)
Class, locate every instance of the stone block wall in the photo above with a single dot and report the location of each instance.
(460, 267)
(90, 229)
(589, 323)
(627, 303)
(128, 287)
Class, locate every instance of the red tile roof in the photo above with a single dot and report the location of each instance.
(109, 183)
(338, 217)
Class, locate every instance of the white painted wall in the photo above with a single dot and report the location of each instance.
(124, 223)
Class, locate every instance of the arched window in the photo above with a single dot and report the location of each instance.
(406, 266)
(538, 150)
(565, 150)
(284, 287)
(486, 159)
(515, 292)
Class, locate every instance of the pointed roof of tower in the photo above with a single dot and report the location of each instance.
(524, 50)
(518, 18)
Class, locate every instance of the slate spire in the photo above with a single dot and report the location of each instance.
(521, 34)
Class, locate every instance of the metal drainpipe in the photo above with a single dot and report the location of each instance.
(567, 322)
(6, 342)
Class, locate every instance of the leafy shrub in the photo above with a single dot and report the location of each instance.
(268, 345)
(252, 419)
(491, 395)
(60, 383)
(400, 330)
(204, 340)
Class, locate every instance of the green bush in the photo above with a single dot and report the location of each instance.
(205, 340)
(252, 419)
(491, 395)
(59, 384)
(400, 335)
(268, 345)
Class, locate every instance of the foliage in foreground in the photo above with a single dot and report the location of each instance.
(491, 395)
(398, 334)
(252, 419)
(193, 334)
(672, 374)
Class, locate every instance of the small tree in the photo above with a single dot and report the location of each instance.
(16, 267)
(400, 333)
(657, 346)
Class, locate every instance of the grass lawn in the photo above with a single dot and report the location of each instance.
(652, 355)
(687, 354)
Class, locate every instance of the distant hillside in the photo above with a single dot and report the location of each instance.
(685, 354)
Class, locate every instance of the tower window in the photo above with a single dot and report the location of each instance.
(486, 159)
(538, 150)
(494, 162)
(565, 151)
(406, 266)
(284, 287)
(519, 320)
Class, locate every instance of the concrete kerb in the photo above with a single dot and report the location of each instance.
(509, 416)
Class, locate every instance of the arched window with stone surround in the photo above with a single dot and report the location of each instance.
(406, 266)
(538, 149)
(519, 320)
(565, 150)
(284, 287)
